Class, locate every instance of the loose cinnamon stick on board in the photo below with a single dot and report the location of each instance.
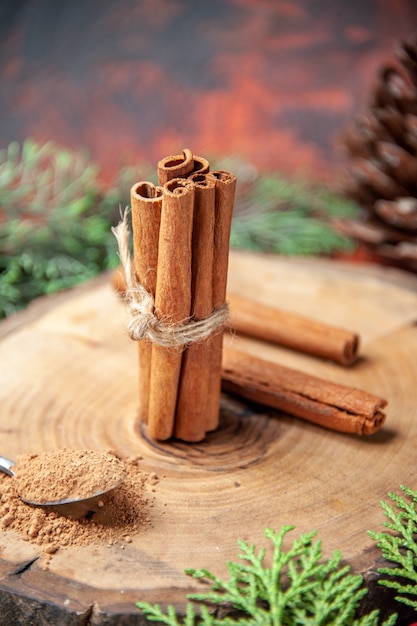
(190, 417)
(292, 330)
(328, 404)
(146, 204)
(172, 300)
(179, 166)
(225, 196)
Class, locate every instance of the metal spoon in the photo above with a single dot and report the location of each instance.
(6, 466)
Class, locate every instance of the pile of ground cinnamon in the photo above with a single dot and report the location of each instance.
(116, 516)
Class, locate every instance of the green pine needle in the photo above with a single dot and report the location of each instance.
(297, 589)
(55, 221)
(275, 215)
(400, 546)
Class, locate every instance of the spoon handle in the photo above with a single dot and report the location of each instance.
(6, 465)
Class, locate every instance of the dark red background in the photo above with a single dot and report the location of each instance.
(273, 81)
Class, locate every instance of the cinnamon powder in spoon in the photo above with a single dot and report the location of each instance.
(115, 517)
(64, 474)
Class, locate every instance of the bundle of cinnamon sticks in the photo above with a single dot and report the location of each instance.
(181, 230)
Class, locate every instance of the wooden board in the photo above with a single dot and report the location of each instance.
(68, 378)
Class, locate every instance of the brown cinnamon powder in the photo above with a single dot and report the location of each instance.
(62, 475)
(115, 516)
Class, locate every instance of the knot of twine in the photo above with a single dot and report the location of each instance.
(143, 323)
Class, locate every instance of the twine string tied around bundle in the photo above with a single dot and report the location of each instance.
(143, 323)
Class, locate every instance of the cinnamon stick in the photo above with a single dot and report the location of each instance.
(190, 415)
(172, 300)
(225, 195)
(146, 204)
(178, 166)
(292, 330)
(338, 407)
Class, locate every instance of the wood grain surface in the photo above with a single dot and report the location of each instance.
(68, 378)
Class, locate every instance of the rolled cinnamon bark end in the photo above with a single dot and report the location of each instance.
(337, 407)
(201, 165)
(351, 349)
(373, 424)
(179, 166)
(146, 203)
(172, 301)
(294, 331)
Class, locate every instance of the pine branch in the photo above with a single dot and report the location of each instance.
(400, 548)
(297, 589)
(276, 215)
(55, 221)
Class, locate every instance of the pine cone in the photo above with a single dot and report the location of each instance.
(382, 177)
